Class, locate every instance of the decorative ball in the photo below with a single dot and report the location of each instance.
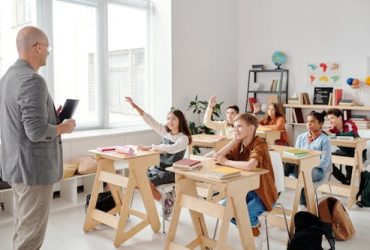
(278, 58)
(368, 80)
(355, 83)
(350, 81)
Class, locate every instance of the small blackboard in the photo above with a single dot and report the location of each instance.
(322, 95)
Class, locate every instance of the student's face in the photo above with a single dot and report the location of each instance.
(230, 115)
(271, 111)
(313, 124)
(172, 122)
(242, 130)
(335, 121)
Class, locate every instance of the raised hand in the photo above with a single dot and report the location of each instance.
(130, 101)
(212, 101)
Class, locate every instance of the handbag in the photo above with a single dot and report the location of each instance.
(105, 201)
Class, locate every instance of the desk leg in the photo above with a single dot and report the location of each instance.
(103, 165)
(309, 191)
(148, 199)
(197, 218)
(121, 236)
(355, 178)
(300, 183)
(176, 212)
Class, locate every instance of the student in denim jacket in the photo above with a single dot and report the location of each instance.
(314, 139)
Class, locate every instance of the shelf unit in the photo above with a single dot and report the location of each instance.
(321, 107)
(359, 108)
(283, 78)
(69, 195)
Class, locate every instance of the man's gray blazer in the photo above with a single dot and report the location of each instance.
(31, 152)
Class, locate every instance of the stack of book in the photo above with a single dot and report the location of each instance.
(295, 152)
(345, 138)
(346, 102)
(187, 164)
(293, 100)
(224, 173)
(361, 121)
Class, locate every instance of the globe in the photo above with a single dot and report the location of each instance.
(278, 58)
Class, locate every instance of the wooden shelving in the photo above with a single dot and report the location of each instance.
(360, 108)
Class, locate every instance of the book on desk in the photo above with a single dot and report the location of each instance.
(187, 164)
(295, 152)
(224, 173)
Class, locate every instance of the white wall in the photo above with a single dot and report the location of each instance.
(307, 31)
(204, 51)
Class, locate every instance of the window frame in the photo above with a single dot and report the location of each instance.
(44, 19)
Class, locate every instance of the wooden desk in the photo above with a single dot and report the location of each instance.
(117, 217)
(208, 141)
(304, 180)
(270, 135)
(187, 197)
(350, 191)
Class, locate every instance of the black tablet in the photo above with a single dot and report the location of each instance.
(69, 108)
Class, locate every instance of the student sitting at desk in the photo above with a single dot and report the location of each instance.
(250, 152)
(340, 127)
(275, 120)
(314, 139)
(175, 138)
(223, 128)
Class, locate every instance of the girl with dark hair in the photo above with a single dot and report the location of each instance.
(341, 127)
(275, 120)
(175, 138)
(314, 139)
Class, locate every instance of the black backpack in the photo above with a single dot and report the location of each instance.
(308, 233)
(104, 203)
(364, 190)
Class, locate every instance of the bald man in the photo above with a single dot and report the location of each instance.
(31, 146)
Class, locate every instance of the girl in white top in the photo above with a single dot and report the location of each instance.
(175, 138)
(223, 128)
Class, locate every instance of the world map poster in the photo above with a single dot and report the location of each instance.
(324, 73)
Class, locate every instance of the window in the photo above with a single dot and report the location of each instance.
(22, 13)
(74, 48)
(77, 66)
(100, 52)
(127, 46)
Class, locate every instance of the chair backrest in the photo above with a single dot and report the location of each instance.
(278, 167)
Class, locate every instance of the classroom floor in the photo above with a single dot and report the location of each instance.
(65, 232)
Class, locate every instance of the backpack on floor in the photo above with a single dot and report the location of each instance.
(364, 190)
(333, 212)
(104, 203)
(309, 230)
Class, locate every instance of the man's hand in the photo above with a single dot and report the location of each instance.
(66, 127)
(59, 109)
